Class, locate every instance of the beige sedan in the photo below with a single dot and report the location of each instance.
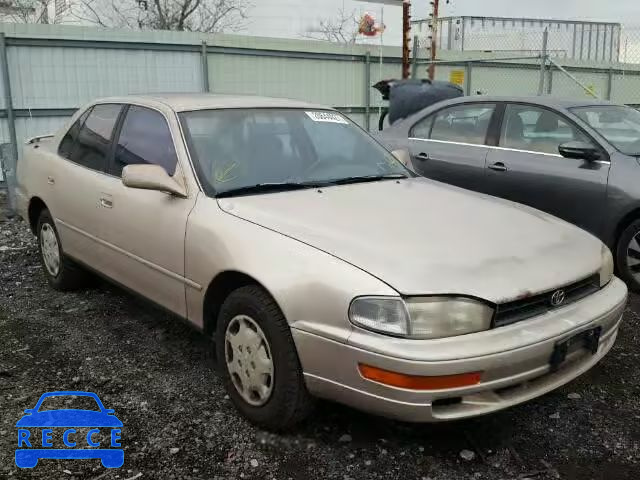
(320, 264)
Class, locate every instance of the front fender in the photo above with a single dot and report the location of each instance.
(312, 288)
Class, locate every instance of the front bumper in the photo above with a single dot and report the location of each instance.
(514, 361)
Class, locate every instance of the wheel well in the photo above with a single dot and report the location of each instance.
(624, 223)
(36, 205)
(218, 290)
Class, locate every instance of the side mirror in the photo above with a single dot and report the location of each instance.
(579, 150)
(403, 156)
(109, 411)
(151, 177)
(29, 410)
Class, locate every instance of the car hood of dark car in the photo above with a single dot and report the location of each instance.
(424, 237)
(69, 418)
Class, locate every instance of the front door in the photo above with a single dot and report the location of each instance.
(145, 229)
(450, 145)
(527, 168)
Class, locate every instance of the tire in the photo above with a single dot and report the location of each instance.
(68, 275)
(629, 238)
(288, 402)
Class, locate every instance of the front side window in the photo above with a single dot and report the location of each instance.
(535, 129)
(94, 137)
(619, 125)
(145, 139)
(461, 124)
(239, 148)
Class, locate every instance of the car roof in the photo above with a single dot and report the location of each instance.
(69, 393)
(544, 100)
(181, 102)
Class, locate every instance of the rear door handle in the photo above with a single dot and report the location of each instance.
(51, 180)
(498, 167)
(423, 156)
(106, 202)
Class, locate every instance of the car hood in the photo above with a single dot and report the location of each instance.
(424, 237)
(69, 418)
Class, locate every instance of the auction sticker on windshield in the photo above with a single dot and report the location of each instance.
(329, 117)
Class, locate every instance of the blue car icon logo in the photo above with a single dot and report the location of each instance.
(36, 432)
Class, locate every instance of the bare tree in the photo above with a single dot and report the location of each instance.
(341, 29)
(183, 15)
(28, 11)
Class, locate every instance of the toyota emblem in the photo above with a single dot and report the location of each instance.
(557, 298)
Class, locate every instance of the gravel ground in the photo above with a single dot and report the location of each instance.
(159, 376)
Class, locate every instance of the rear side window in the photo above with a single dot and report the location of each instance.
(68, 142)
(93, 143)
(461, 123)
(464, 123)
(145, 138)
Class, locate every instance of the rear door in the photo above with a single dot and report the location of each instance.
(527, 168)
(79, 180)
(450, 144)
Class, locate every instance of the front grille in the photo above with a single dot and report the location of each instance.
(512, 312)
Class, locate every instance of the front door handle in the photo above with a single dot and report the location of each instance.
(498, 167)
(51, 180)
(106, 202)
(423, 156)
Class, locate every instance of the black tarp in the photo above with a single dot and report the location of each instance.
(409, 96)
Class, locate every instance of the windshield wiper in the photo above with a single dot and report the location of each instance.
(368, 178)
(269, 188)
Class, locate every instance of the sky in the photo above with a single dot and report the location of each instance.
(292, 18)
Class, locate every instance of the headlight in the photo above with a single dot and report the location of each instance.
(421, 318)
(606, 268)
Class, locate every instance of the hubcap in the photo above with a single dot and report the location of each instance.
(633, 256)
(50, 249)
(249, 360)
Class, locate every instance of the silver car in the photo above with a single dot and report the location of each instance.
(575, 159)
(319, 263)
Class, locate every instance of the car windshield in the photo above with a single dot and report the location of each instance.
(244, 151)
(618, 124)
(69, 402)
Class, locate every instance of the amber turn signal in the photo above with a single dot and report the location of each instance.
(417, 382)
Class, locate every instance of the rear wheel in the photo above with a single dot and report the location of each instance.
(258, 360)
(628, 256)
(61, 272)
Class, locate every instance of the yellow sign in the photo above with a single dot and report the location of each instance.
(457, 77)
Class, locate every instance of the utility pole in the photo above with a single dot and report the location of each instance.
(406, 30)
(434, 35)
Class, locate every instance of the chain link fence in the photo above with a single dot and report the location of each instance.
(510, 56)
(597, 42)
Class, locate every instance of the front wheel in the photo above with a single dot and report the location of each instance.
(258, 360)
(628, 256)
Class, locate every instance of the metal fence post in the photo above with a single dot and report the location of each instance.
(9, 170)
(550, 79)
(205, 67)
(543, 60)
(467, 84)
(367, 91)
(610, 84)
(414, 64)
